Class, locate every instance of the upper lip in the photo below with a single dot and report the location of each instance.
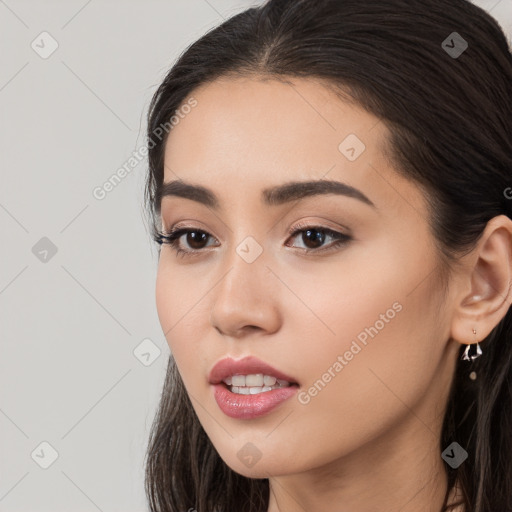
(248, 365)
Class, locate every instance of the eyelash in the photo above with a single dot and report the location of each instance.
(172, 238)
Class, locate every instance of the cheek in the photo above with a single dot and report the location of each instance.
(350, 326)
(183, 316)
(166, 293)
(368, 348)
(178, 297)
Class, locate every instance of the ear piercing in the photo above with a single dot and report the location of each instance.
(472, 351)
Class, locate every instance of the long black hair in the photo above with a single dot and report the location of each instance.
(438, 74)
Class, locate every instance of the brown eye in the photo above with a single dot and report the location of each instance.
(196, 239)
(314, 237)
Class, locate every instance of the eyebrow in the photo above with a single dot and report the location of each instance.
(273, 196)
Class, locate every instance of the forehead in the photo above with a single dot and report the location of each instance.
(239, 119)
(246, 134)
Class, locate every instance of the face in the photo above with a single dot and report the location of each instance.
(356, 320)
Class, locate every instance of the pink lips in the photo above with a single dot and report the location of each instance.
(239, 406)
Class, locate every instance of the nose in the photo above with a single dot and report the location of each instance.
(246, 299)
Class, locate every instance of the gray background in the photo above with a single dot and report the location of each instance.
(82, 353)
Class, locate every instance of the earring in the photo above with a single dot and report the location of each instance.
(476, 352)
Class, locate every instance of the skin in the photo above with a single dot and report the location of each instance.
(369, 440)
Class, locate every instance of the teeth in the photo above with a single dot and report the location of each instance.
(238, 380)
(256, 390)
(255, 380)
(252, 390)
(269, 381)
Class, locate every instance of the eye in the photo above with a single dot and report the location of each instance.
(313, 238)
(194, 237)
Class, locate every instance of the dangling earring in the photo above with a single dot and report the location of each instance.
(470, 354)
(477, 352)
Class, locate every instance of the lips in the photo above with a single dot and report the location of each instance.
(248, 365)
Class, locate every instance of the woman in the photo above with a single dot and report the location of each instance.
(330, 183)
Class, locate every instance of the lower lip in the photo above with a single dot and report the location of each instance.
(246, 407)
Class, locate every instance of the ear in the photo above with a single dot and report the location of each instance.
(485, 284)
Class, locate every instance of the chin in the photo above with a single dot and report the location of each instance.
(261, 469)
